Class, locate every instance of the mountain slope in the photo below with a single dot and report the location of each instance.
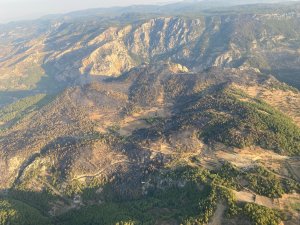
(151, 115)
(64, 50)
(118, 138)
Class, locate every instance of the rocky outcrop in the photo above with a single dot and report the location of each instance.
(71, 49)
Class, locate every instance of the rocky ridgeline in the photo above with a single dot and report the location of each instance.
(73, 49)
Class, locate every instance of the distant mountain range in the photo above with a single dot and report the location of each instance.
(62, 49)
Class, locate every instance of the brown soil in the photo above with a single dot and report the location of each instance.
(218, 216)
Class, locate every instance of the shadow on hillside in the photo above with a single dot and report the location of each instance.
(289, 76)
(46, 85)
(7, 97)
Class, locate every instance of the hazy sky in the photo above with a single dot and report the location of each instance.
(28, 9)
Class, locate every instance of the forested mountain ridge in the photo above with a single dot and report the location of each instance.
(151, 115)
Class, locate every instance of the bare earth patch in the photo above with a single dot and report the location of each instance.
(218, 216)
(250, 156)
(95, 116)
(131, 126)
(137, 120)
